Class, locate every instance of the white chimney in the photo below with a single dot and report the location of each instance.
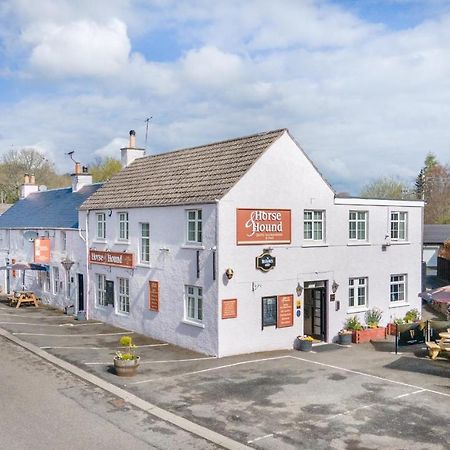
(29, 186)
(80, 178)
(130, 153)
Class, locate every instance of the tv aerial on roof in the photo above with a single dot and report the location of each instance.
(30, 235)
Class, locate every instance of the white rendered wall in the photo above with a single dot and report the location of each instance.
(172, 263)
(283, 178)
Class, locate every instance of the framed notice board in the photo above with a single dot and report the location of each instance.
(153, 296)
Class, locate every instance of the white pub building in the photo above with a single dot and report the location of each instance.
(240, 246)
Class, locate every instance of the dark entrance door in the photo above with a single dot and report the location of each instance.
(80, 292)
(315, 312)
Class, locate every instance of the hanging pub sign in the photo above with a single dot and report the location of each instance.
(265, 262)
(263, 226)
(118, 259)
(42, 250)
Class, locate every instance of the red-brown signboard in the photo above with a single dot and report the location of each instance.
(263, 226)
(285, 305)
(229, 308)
(112, 258)
(153, 296)
(42, 250)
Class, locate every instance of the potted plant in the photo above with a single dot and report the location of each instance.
(303, 343)
(392, 327)
(413, 315)
(345, 336)
(373, 331)
(126, 363)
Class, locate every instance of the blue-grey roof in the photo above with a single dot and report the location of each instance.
(435, 234)
(56, 208)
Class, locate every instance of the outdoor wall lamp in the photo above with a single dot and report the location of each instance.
(299, 289)
(229, 273)
(334, 287)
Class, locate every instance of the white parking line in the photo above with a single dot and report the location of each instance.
(152, 362)
(51, 324)
(100, 348)
(71, 335)
(210, 369)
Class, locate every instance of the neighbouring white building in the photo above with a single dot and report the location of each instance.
(41, 229)
(240, 246)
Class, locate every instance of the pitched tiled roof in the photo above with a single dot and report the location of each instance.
(193, 175)
(55, 208)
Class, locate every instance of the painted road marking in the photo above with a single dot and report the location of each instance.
(51, 324)
(72, 335)
(152, 362)
(101, 348)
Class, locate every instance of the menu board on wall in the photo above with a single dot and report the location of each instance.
(229, 308)
(285, 311)
(263, 226)
(153, 296)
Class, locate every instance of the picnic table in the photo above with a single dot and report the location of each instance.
(21, 297)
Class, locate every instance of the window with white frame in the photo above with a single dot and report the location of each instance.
(194, 303)
(47, 281)
(63, 241)
(101, 226)
(357, 292)
(123, 226)
(56, 283)
(313, 225)
(101, 289)
(398, 288)
(399, 221)
(124, 295)
(194, 226)
(357, 225)
(144, 253)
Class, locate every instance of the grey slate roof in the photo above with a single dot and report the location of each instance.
(56, 208)
(188, 176)
(435, 234)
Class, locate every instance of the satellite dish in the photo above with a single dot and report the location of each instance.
(43, 187)
(30, 236)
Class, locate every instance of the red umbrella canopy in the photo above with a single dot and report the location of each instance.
(441, 295)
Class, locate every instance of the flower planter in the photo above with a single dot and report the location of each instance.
(126, 367)
(302, 345)
(369, 334)
(345, 338)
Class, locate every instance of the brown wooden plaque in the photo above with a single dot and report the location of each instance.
(118, 259)
(285, 311)
(229, 308)
(153, 295)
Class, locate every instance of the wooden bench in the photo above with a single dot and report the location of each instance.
(434, 348)
(24, 297)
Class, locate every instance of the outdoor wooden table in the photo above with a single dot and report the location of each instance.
(445, 335)
(24, 297)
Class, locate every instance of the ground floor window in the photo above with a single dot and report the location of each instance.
(269, 311)
(101, 290)
(194, 303)
(357, 292)
(55, 280)
(398, 288)
(124, 295)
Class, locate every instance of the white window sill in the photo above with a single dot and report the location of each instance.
(358, 243)
(357, 310)
(398, 304)
(118, 242)
(195, 324)
(101, 307)
(122, 314)
(193, 246)
(400, 242)
(314, 244)
(144, 265)
(99, 241)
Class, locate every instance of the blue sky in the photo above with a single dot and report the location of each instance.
(362, 85)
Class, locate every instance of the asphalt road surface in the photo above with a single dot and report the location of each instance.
(44, 407)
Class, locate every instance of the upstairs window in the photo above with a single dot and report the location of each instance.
(194, 226)
(63, 241)
(313, 225)
(123, 226)
(145, 243)
(357, 225)
(398, 225)
(101, 226)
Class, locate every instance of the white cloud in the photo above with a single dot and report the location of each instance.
(79, 48)
(112, 148)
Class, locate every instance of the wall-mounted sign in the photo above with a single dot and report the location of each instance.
(263, 226)
(229, 308)
(42, 250)
(265, 262)
(117, 259)
(332, 297)
(153, 296)
(285, 305)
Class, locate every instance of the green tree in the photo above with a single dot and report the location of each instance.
(15, 163)
(387, 187)
(104, 169)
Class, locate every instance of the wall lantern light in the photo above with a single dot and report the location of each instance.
(299, 289)
(229, 273)
(334, 287)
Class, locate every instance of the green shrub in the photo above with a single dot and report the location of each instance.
(126, 341)
(353, 323)
(412, 315)
(373, 317)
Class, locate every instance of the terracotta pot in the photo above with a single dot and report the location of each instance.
(126, 367)
(369, 334)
